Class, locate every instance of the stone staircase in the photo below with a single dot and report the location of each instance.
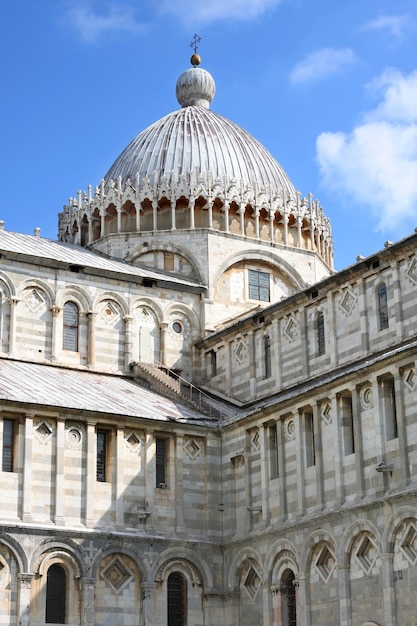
(171, 384)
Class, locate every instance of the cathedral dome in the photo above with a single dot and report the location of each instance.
(194, 140)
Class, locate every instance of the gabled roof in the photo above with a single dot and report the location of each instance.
(105, 394)
(43, 251)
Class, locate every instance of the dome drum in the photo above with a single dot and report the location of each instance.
(197, 202)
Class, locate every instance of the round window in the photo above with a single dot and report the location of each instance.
(177, 328)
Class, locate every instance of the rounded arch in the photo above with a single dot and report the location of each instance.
(69, 549)
(277, 263)
(77, 294)
(244, 555)
(62, 557)
(8, 283)
(148, 302)
(40, 284)
(185, 556)
(281, 553)
(349, 537)
(165, 246)
(319, 536)
(111, 295)
(175, 307)
(391, 527)
(17, 551)
(128, 549)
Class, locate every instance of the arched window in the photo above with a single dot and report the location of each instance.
(267, 357)
(56, 588)
(177, 600)
(321, 338)
(289, 606)
(71, 326)
(383, 306)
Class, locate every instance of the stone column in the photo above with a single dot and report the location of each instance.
(13, 302)
(24, 581)
(282, 469)
(285, 229)
(344, 596)
(271, 224)
(148, 602)
(87, 588)
(276, 605)
(257, 211)
(210, 212)
(128, 340)
(191, 204)
(358, 443)
(302, 600)
(137, 207)
(155, 215)
(264, 473)
(299, 234)
(299, 419)
(242, 218)
(102, 222)
(401, 428)
(27, 471)
(150, 478)
(119, 218)
(119, 477)
(173, 223)
(163, 327)
(91, 341)
(388, 589)
(179, 489)
(90, 474)
(59, 472)
(226, 217)
(56, 318)
(319, 457)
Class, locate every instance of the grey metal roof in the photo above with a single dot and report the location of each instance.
(71, 254)
(195, 139)
(38, 384)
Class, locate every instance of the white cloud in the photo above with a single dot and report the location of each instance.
(92, 24)
(396, 25)
(321, 64)
(207, 11)
(376, 164)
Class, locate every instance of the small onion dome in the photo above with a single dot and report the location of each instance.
(195, 87)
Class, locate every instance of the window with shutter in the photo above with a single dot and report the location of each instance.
(70, 329)
(177, 600)
(56, 583)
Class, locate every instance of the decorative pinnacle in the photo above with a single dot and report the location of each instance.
(195, 59)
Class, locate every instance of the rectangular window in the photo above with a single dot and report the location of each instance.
(389, 408)
(160, 462)
(102, 437)
(258, 285)
(213, 362)
(267, 357)
(273, 451)
(70, 328)
(321, 338)
(8, 445)
(346, 422)
(309, 439)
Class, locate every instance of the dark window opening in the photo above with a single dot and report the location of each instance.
(389, 407)
(160, 456)
(71, 323)
(346, 416)
(383, 307)
(267, 357)
(309, 439)
(177, 600)
(101, 456)
(289, 605)
(56, 583)
(321, 338)
(273, 452)
(258, 285)
(8, 445)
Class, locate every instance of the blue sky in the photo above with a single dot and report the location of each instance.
(328, 86)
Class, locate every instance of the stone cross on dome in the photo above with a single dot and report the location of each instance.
(195, 59)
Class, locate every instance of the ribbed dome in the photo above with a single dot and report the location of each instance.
(196, 140)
